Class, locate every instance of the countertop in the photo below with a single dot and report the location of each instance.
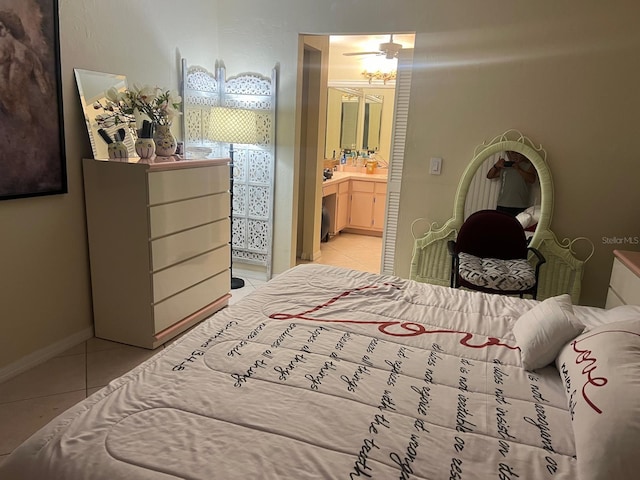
(342, 176)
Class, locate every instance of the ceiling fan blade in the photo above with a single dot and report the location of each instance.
(362, 53)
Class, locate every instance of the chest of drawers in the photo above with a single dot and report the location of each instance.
(624, 284)
(158, 246)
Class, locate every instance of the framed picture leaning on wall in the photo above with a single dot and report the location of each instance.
(32, 153)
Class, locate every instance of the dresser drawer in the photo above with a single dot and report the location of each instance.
(185, 303)
(625, 283)
(174, 217)
(613, 300)
(172, 185)
(185, 274)
(167, 251)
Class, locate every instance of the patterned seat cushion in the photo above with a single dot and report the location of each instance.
(514, 275)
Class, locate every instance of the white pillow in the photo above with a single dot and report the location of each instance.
(544, 330)
(525, 219)
(534, 211)
(601, 373)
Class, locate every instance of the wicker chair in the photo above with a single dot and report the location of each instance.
(490, 255)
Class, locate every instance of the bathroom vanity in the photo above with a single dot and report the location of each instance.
(355, 201)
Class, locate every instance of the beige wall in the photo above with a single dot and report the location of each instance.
(564, 73)
(566, 77)
(44, 278)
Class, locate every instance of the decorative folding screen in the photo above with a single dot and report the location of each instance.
(254, 165)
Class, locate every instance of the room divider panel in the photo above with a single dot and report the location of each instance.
(253, 165)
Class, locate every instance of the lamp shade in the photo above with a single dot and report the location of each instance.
(234, 125)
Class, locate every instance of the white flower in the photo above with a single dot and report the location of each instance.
(112, 95)
(105, 121)
(172, 113)
(174, 98)
(147, 93)
(141, 102)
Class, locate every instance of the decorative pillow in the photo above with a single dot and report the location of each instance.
(544, 330)
(525, 219)
(601, 374)
(508, 275)
(534, 211)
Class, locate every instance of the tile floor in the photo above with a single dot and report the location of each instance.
(359, 252)
(33, 398)
(30, 400)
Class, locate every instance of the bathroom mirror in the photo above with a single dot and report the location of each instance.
(91, 88)
(350, 106)
(354, 120)
(372, 122)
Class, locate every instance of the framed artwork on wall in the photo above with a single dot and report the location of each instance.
(32, 153)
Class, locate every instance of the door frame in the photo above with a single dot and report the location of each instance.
(311, 115)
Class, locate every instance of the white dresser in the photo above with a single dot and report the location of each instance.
(158, 245)
(624, 285)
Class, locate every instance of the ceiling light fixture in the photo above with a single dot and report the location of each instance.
(379, 68)
(379, 75)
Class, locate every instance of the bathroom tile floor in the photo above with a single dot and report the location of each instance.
(359, 252)
(30, 400)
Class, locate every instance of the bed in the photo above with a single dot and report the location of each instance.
(326, 373)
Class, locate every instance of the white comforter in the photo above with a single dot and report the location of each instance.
(324, 373)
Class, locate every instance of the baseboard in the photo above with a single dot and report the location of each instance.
(247, 273)
(44, 354)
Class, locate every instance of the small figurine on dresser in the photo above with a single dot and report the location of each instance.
(145, 145)
(115, 147)
(156, 107)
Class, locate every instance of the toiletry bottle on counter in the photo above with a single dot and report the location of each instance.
(343, 158)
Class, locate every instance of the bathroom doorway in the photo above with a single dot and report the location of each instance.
(354, 250)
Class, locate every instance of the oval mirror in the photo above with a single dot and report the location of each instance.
(476, 191)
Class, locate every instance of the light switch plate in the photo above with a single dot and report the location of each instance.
(435, 166)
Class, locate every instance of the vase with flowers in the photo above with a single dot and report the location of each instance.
(131, 107)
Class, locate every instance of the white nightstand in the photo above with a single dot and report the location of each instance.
(624, 285)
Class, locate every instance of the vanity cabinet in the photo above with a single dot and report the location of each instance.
(158, 246)
(624, 284)
(379, 205)
(342, 206)
(367, 205)
(356, 205)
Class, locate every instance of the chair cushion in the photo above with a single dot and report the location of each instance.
(507, 275)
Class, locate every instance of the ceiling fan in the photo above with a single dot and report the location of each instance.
(388, 49)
